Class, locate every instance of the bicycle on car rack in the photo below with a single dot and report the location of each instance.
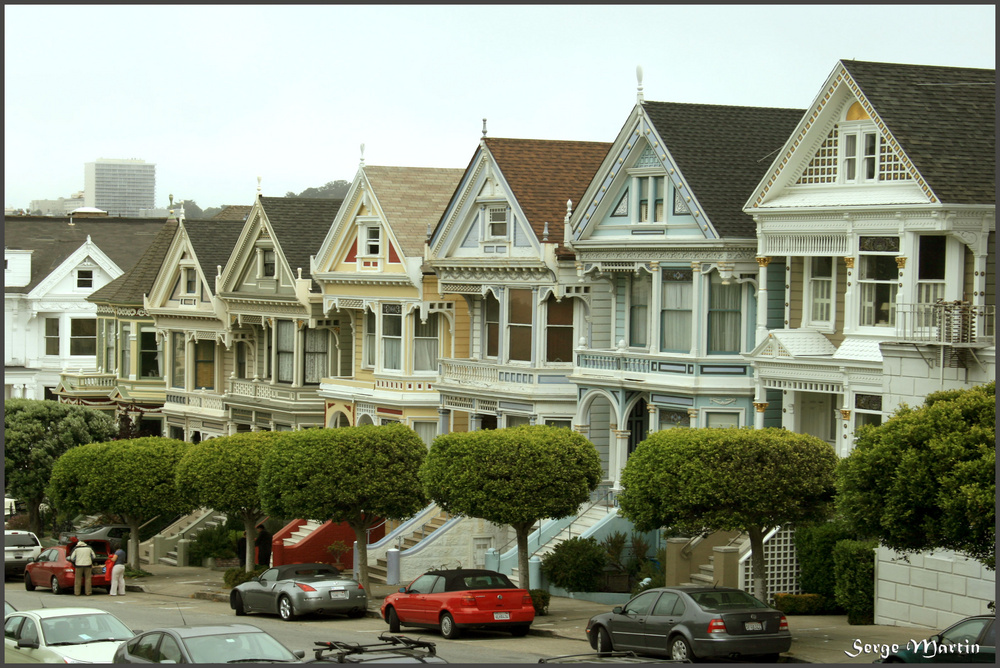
(395, 648)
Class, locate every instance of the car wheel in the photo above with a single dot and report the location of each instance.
(285, 610)
(393, 619)
(680, 649)
(236, 603)
(56, 589)
(520, 631)
(603, 641)
(448, 628)
(28, 584)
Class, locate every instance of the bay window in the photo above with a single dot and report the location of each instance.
(425, 344)
(559, 330)
(638, 310)
(150, 359)
(285, 350)
(724, 316)
(676, 302)
(491, 316)
(392, 337)
(519, 329)
(316, 355)
(370, 339)
(126, 346)
(109, 346)
(204, 364)
(178, 349)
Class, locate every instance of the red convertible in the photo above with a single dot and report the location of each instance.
(463, 598)
(50, 569)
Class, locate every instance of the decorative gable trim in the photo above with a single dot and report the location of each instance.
(88, 250)
(841, 77)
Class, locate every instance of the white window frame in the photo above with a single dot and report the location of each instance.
(158, 350)
(372, 245)
(857, 131)
(812, 282)
(649, 306)
(424, 424)
(322, 355)
(560, 329)
(436, 319)
(489, 230)
(708, 310)
(81, 279)
(189, 277)
(664, 310)
(264, 263)
(46, 336)
(740, 414)
(386, 338)
(863, 287)
(279, 352)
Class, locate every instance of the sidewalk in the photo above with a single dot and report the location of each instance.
(815, 639)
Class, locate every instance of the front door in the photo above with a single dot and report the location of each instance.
(637, 425)
(816, 415)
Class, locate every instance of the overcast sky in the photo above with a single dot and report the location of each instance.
(217, 96)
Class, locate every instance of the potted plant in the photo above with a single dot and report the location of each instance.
(338, 549)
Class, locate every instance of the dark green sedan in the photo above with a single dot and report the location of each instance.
(972, 640)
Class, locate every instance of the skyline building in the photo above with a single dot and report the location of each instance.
(120, 186)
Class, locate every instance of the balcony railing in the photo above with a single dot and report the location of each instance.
(196, 399)
(614, 361)
(946, 323)
(239, 388)
(474, 373)
(87, 382)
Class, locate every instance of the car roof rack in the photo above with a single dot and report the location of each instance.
(390, 643)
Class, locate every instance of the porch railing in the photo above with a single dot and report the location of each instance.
(947, 323)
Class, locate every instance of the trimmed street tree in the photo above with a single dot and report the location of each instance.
(750, 480)
(358, 475)
(926, 478)
(514, 476)
(224, 474)
(36, 434)
(132, 478)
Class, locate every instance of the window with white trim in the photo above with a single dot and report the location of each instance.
(84, 278)
(651, 191)
(676, 303)
(859, 156)
(425, 343)
(496, 222)
(109, 346)
(150, 357)
(559, 330)
(522, 307)
(316, 355)
(83, 336)
(427, 431)
(931, 268)
(125, 341)
(491, 319)
(52, 336)
(820, 302)
(204, 364)
(392, 337)
(867, 410)
(674, 419)
(371, 351)
(877, 278)
(724, 316)
(640, 294)
(285, 350)
(268, 264)
(178, 348)
(373, 241)
(191, 280)
(722, 419)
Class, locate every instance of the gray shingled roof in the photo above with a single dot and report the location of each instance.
(213, 242)
(945, 120)
(130, 287)
(124, 240)
(300, 225)
(723, 152)
(413, 200)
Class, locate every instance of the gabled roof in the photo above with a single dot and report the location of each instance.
(300, 224)
(944, 118)
(54, 239)
(130, 287)
(543, 174)
(234, 212)
(723, 152)
(413, 199)
(213, 242)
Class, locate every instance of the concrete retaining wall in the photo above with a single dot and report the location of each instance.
(931, 589)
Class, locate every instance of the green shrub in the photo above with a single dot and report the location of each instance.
(854, 568)
(654, 570)
(802, 604)
(239, 575)
(540, 599)
(814, 547)
(576, 564)
(215, 542)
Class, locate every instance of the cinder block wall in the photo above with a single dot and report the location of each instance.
(931, 589)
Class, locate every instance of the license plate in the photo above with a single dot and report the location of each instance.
(753, 626)
(338, 594)
(501, 615)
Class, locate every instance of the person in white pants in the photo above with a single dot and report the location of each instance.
(118, 574)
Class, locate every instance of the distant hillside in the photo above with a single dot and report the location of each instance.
(332, 190)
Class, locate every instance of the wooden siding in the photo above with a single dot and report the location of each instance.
(601, 309)
(796, 279)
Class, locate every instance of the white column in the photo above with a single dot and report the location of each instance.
(619, 456)
(699, 309)
(655, 299)
(850, 303)
(762, 262)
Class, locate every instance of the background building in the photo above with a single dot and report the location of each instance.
(120, 187)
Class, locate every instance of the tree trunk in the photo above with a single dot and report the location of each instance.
(35, 516)
(524, 577)
(757, 563)
(250, 531)
(361, 536)
(133, 542)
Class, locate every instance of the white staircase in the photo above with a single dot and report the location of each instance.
(576, 528)
(378, 571)
(302, 532)
(705, 575)
(186, 527)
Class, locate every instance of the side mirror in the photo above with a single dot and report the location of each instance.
(299, 653)
(617, 610)
(27, 644)
(402, 590)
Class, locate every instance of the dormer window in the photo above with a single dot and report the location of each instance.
(268, 264)
(859, 156)
(373, 241)
(190, 281)
(497, 222)
(85, 278)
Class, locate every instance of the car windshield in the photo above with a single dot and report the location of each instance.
(83, 629)
(726, 600)
(237, 647)
(20, 540)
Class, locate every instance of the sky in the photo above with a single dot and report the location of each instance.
(217, 96)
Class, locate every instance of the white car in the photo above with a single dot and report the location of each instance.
(62, 635)
(18, 548)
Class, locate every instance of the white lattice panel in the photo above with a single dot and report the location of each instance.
(782, 565)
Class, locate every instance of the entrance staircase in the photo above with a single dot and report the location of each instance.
(378, 571)
(162, 548)
(705, 575)
(578, 527)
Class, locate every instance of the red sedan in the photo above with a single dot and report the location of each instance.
(460, 599)
(51, 569)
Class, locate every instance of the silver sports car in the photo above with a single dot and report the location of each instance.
(297, 589)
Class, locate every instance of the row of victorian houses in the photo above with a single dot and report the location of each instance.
(711, 266)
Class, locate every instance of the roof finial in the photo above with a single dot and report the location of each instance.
(258, 185)
(171, 201)
(362, 155)
(484, 127)
(638, 93)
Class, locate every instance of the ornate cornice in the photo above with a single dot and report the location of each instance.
(661, 256)
(485, 274)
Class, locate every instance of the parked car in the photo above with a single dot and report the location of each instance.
(8, 608)
(297, 589)
(607, 657)
(62, 635)
(692, 623)
(18, 548)
(464, 598)
(223, 643)
(972, 640)
(113, 533)
(51, 569)
(389, 649)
